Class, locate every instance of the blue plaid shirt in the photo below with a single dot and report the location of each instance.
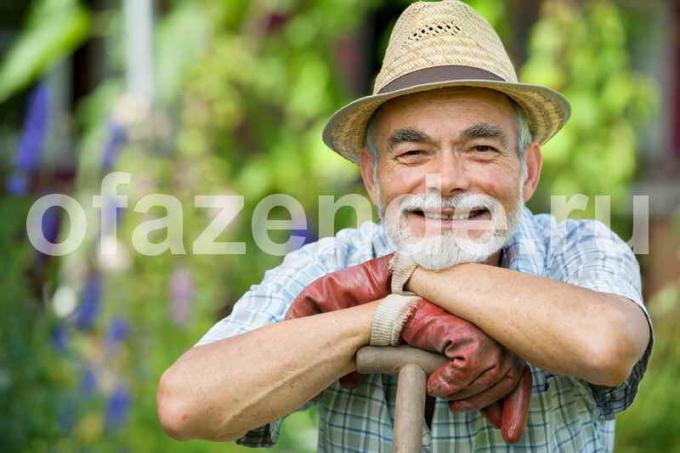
(566, 413)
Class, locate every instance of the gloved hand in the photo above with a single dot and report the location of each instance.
(371, 281)
(510, 413)
(345, 288)
(480, 372)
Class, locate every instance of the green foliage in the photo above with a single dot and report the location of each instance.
(649, 425)
(55, 28)
(241, 100)
(242, 92)
(31, 377)
(180, 37)
(249, 100)
(581, 50)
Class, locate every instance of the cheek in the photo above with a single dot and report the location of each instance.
(395, 183)
(501, 183)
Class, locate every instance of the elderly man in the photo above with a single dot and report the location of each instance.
(543, 324)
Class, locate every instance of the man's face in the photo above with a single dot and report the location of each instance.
(448, 174)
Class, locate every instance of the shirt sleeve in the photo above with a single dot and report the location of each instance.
(590, 255)
(268, 302)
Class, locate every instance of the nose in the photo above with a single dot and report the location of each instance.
(448, 175)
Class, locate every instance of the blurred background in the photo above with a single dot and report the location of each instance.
(228, 97)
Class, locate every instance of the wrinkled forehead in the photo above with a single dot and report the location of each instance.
(458, 107)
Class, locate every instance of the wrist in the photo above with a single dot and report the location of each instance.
(389, 319)
(413, 285)
(361, 316)
(401, 266)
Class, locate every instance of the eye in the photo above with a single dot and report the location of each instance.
(412, 152)
(412, 157)
(484, 149)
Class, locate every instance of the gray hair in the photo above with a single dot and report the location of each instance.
(524, 137)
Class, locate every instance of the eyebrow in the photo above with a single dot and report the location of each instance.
(485, 131)
(407, 135)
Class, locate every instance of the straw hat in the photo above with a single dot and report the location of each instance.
(444, 44)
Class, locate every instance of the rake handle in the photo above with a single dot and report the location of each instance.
(412, 365)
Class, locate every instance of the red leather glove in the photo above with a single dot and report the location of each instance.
(480, 372)
(370, 281)
(345, 288)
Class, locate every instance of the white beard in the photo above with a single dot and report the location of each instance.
(451, 247)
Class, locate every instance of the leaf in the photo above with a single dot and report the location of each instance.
(181, 39)
(55, 29)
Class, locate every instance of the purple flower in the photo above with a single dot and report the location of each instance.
(306, 233)
(50, 224)
(88, 382)
(17, 184)
(117, 408)
(117, 138)
(181, 293)
(113, 215)
(89, 307)
(116, 333)
(59, 337)
(32, 141)
(51, 221)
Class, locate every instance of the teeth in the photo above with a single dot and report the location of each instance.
(438, 216)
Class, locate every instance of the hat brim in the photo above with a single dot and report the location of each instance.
(546, 110)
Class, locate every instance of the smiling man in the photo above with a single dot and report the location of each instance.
(454, 151)
(543, 324)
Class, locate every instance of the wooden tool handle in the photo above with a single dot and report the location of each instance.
(389, 359)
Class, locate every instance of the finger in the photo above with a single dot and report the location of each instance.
(452, 385)
(485, 398)
(493, 413)
(449, 379)
(480, 384)
(516, 409)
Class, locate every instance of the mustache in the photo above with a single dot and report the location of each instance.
(432, 201)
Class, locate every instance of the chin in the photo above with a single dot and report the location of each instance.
(450, 248)
(441, 233)
(445, 251)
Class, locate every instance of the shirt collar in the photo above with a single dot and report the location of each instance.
(525, 251)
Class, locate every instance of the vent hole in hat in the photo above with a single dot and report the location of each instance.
(435, 30)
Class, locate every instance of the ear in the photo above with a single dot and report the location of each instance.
(534, 162)
(367, 175)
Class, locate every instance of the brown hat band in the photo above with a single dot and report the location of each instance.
(438, 74)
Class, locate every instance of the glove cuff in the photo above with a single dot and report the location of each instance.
(389, 319)
(402, 268)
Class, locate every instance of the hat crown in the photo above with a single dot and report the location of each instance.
(445, 33)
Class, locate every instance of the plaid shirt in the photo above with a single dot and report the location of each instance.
(566, 413)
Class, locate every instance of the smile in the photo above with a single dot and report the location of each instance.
(451, 214)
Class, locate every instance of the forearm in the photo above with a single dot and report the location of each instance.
(221, 390)
(559, 327)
